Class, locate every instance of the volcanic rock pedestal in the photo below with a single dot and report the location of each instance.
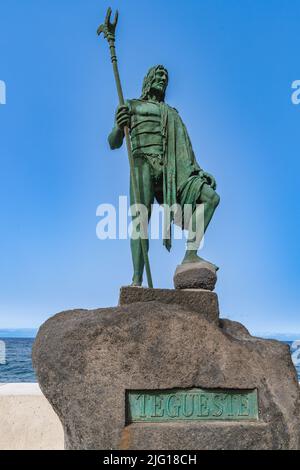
(161, 371)
(200, 275)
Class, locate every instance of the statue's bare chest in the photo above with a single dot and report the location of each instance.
(145, 127)
(142, 110)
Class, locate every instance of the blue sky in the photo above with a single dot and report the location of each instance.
(231, 65)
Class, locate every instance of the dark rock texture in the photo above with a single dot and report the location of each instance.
(201, 301)
(200, 275)
(86, 360)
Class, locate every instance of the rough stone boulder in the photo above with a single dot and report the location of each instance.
(201, 275)
(87, 360)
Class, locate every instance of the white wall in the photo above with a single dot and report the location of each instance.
(27, 420)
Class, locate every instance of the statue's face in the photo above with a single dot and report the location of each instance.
(160, 81)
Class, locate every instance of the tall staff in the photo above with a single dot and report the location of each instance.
(108, 29)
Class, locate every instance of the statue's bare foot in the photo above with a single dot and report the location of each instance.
(192, 257)
(136, 282)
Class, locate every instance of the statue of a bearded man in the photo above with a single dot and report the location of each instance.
(165, 166)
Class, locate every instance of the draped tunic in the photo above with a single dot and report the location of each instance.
(156, 128)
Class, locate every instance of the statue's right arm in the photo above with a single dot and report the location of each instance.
(115, 138)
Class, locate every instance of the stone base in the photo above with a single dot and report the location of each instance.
(198, 436)
(200, 275)
(201, 301)
(87, 362)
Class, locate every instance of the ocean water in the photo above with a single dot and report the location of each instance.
(18, 365)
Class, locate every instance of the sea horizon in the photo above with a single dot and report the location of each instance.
(18, 347)
(18, 332)
(32, 332)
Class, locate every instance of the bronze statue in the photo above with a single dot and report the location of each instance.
(163, 164)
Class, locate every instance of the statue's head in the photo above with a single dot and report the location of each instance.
(155, 82)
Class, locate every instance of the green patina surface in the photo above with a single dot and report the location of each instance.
(191, 404)
(163, 165)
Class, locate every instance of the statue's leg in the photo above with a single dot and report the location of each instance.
(199, 222)
(144, 181)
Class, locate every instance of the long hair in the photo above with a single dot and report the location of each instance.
(148, 80)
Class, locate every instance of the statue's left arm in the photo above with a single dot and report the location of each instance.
(210, 180)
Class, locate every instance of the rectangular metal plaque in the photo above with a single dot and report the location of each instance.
(193, 404)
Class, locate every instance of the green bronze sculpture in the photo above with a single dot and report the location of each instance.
(162, 161)
(165, 164)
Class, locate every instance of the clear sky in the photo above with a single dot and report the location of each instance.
(231, 65)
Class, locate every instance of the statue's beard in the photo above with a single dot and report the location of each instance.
(159, 93)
